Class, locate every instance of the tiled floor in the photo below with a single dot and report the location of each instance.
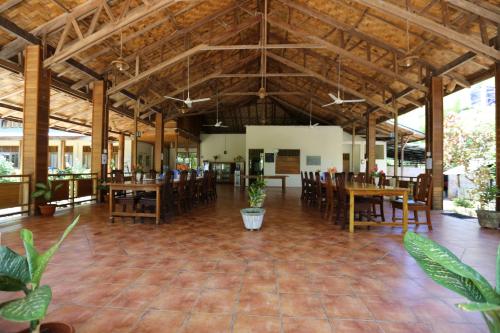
(204, 273)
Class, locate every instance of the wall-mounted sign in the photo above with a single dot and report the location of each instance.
(269, 158)
(313, 160)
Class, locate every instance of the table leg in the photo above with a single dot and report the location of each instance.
(405, 211)
(283, 185)
(111, 204)
(351, 211)
(158, 202)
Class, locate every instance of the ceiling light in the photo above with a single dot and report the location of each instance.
(120, 64)
(261, 93)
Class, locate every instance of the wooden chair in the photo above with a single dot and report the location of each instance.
(360, 178)
(342, 212)
(180, 193)
(212, 185)
(148, 203)
(350, 177)
(303, 176)
(123, 198)
(192, 189)
(320, 193)
(329, 197)
(378, 200)
(421, 201)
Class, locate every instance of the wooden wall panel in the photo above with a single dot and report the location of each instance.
(437, 142)
(288, 162)
(35, 117)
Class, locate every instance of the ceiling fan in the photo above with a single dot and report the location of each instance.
(218, 123)
(311, 125)
(188, 101)
(337, 100)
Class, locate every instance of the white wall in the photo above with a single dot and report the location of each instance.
(215, 144)
(359, 152)
(324, 141)
(145, 150)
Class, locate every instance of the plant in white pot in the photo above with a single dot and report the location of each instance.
(253, 216)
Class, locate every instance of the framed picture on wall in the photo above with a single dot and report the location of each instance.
(313, 160)
(269, 158)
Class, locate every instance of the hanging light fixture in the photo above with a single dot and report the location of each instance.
(120, 63)
(409, 60)
(262, 91)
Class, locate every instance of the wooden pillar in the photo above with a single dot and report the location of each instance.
(110, 154)
(134, 137)
(99, 129)
(353, 142)
(198, 155)
(35, 118)
(396, 147)
(159, 142)
(176, 148)
(371, 131)
(120, 165)
(62, 151)
(497, 117)
(437, 142)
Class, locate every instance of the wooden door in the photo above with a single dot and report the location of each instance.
(346, 162)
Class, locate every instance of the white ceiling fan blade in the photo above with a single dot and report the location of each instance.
(335, 98)
(208, 125)
(353, 100)
(332, 103)
(315, 124)
(200, 100)
(223, 126)
(175, 99)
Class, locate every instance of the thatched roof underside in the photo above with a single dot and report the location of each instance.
(306, 42)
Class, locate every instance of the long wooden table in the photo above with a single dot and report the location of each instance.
(282, 177)
(153, 186)
(354, 189)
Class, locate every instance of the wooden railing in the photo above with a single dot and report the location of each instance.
(76, 188)
(15, 194)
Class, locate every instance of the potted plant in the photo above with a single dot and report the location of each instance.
(46, 190)
(103, 188)
(253, 216)
(446, 269)
(24, 273)
(487, 218)
(375, 174)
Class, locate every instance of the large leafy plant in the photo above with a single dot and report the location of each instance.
(24, 273)
(257, 193)
(45, 190)
(446, 269)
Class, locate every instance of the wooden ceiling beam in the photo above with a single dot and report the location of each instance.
(8, 5)
(258, 75)
(480, 8)
(431, 26)
(332, 83)
(344, 53)
(267, 47)
(105, 31)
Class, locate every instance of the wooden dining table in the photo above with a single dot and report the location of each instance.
(282, 177)
(354, 189)
(138, 186)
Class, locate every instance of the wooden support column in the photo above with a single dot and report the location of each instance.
(176, 148)
(99, 130)
(198, 154)
(396, 148)
(497, 117)
(353, 142)
(121, 152)
(110, 154)
(35, 118)
(134, 137)
(437, 142)
(62, 152)
(159, 143)
(371, 131)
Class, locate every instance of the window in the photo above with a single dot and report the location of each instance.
(11, 154)
(86, 157)
(68, 156)
(53, 157)
(188, 159)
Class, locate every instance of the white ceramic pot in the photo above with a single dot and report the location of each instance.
(253, 217)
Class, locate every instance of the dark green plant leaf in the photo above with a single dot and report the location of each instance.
(481, 307)
(47, 195)
(32, 307)
(38, 193)
(41, 186)
(38, 262)
(447, 270)
(14, 270)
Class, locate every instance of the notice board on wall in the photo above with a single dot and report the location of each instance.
(288, 161)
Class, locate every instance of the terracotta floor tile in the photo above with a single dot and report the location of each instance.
(306, 325)
(191, 280)
(405, 327)
(176, 299)
(301, 305)
(110, 320)
(224, 281)
(135, 297)
(390, 309)
(155, 321)
(261, 284)
(256, 324)
(216, 301)
(345, 307)
(332, 285)
(73, 314)
(293, 283)
(125, 275)
(264, 304)
(208, 323)
(356, 326)
(155, 277)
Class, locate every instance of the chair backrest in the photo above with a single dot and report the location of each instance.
(152, 174)
(302, 179)
(382, 180)
(360, 178)
(423, 188)
(350, 177)
(117, 176)
(340, 180)
(192, 180)
(317, 183)
(181, 185)
(329, 187)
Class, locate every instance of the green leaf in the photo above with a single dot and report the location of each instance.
(47, 195)
(481, 307)
(14, 271)
(447, 270)
(32, 307)
(41, 186)
(38, 262)
(58, 186)
(38, 193)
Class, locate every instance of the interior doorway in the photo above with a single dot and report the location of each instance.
(346, 162)
(255, 163)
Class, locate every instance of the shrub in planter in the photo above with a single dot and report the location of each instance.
(253, 216)
(46, 191)
(487, 218)
(446, 269)
(24, 273)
